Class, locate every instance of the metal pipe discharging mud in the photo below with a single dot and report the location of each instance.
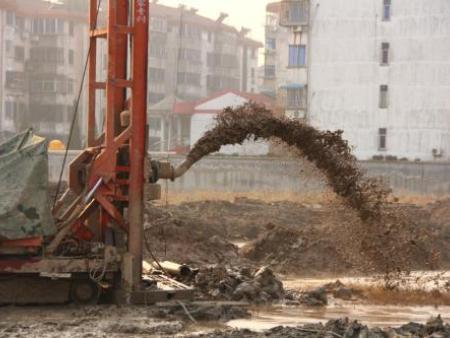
(386, 242)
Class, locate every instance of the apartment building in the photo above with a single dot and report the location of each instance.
(377, 69)
(42, 51)
(191, 56)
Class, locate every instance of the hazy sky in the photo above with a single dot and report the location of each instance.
(247, 13)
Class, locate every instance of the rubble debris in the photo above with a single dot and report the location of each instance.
(340, 291)
(335, 329)
(239, 284)
(316, 297)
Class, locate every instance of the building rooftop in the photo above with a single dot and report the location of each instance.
(40, 8)
(191, 16)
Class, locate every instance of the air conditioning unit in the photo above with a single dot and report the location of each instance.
(437, 153)
(298, 29)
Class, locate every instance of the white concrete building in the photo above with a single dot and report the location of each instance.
(185, 122)
(377, 69)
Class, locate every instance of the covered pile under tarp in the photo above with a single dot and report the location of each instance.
(24, 201)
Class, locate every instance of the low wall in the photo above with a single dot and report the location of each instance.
(244, 174)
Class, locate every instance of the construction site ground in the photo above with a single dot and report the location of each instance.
(300, 238)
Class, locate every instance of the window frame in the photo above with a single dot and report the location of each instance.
(387, 10)
(382, 139)
(383, 97)
(385, 53)
(297, 56)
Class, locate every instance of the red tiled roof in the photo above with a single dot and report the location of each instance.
(188, 107)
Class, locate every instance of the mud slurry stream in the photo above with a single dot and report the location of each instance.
(386, 241)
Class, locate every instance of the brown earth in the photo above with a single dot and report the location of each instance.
(291, 238)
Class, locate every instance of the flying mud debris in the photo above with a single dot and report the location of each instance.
(387, 239)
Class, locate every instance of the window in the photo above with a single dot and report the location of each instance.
(271, 44)
(154, 123)
(297, 55)
(9, 110)
(295, 12)
(295, 98)
(71, 56)
(210, 37)
(158, 24)
(47, 55)
(386, 10)
(70, 87)
(20, 23)
(269, 71)
(383, 104)
(14, 79)
(385, 53)
(19, 53)
(60, 26)
(191, 55)
(382, 138)
(13, 108)
(155, 97)
(50, 26)
(71, 28)
(191, 79)
(8, 46)
(10, 18)
(156, 74)
(222, 60)
(157, 50)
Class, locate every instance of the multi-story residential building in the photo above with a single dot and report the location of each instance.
(191, 56)
(42, 52)
(377, 69)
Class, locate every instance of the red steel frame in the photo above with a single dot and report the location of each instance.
(112, 183)
(127, 23)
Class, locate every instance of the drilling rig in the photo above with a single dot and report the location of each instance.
(97, 244)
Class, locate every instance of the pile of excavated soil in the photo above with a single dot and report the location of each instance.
(185, 238)
(291, 238)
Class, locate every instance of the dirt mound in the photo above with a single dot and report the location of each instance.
(185, 239)
(291, 238)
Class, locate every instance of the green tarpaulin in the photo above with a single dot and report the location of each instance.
(24, 201)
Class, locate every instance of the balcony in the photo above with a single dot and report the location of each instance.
(294, 13)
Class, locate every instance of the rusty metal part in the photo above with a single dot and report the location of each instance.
(173, 268)
(138, 138)
(169, 172)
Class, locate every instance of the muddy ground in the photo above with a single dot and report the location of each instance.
(292, 238)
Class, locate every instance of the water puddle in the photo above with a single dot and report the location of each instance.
(371, 315)
(264, 318)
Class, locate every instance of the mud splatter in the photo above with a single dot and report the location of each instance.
(386, 240)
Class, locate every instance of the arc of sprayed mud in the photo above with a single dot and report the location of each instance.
(329, 152)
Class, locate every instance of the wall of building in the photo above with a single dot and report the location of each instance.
(344, 40)
(260, 174)
(346, 74)
(42, 57)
